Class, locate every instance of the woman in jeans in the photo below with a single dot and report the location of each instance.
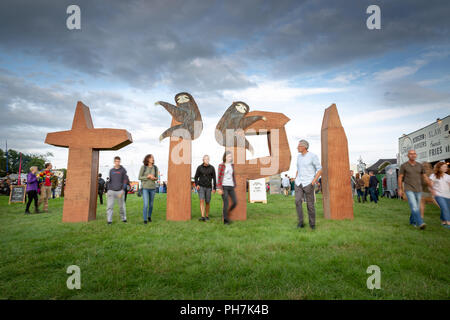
(148, 175)
(32, 190)
(226, 184)
(441, 188)
(359, 185)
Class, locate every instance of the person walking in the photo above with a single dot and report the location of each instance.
(308, 172)
(126, 188)
(205, 182)
(54, 181)
(286, 185)
(373, 185)
(226, 183)
(353, 183)
(410, 174)
(359, 185)
(45, 178)
(148, 174)
(115, 192)
(101, 187)
(292, 182)
(365, 178)
(32, 190)
(441, 190)
(426, 193)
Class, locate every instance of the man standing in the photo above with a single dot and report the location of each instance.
(365, 178)
(101, 187)
(286, 185)
(353, 183)
(308, 171)
(54, 180)
(117, 183)
(373, 186)
(45, 178)
(411, 174)
(203, 176)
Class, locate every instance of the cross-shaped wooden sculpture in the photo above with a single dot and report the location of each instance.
(84, 143)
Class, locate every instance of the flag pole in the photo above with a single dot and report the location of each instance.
(7, 158)
(20, 169)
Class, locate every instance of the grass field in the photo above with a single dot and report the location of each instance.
(265, 257)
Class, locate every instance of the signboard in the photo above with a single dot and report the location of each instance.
(431, 143)
(257, 190)
(17, 194)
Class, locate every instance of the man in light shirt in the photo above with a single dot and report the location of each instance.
(308, 172)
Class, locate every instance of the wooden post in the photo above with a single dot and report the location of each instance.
(336, 187)
(179, 179)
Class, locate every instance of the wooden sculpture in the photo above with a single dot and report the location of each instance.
(336, 187)
(255, 122)
(186, 126)
(233, 122)
(84, 143)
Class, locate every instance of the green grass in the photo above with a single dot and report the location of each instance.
(265, 257)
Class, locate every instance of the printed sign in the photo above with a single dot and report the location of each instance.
(257, 190)
(431, 143)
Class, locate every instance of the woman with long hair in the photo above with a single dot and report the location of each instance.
(148, 175)
(441, 191)
(226, 184)
(359, 185)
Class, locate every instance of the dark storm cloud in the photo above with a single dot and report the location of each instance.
(320, 35)
(38, 108)
(206, 45)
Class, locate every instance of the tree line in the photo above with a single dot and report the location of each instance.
(28, 160)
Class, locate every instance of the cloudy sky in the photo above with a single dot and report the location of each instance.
(296, 57)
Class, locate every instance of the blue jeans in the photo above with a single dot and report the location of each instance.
(360, 194)
(444, 205)
(373, 194)
(414, 201)
(149, 196)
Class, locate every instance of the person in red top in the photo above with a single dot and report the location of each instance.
(226, 183)
(46, 185)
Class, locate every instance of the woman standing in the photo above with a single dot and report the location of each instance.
(32, 190)
(226, 183)
(359, 185)
(441, 191)
(148, 175)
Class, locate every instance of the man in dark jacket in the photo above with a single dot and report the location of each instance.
(203, 176)
(101, 187)
(373, 185)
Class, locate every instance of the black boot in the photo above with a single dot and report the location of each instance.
(27, 211)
